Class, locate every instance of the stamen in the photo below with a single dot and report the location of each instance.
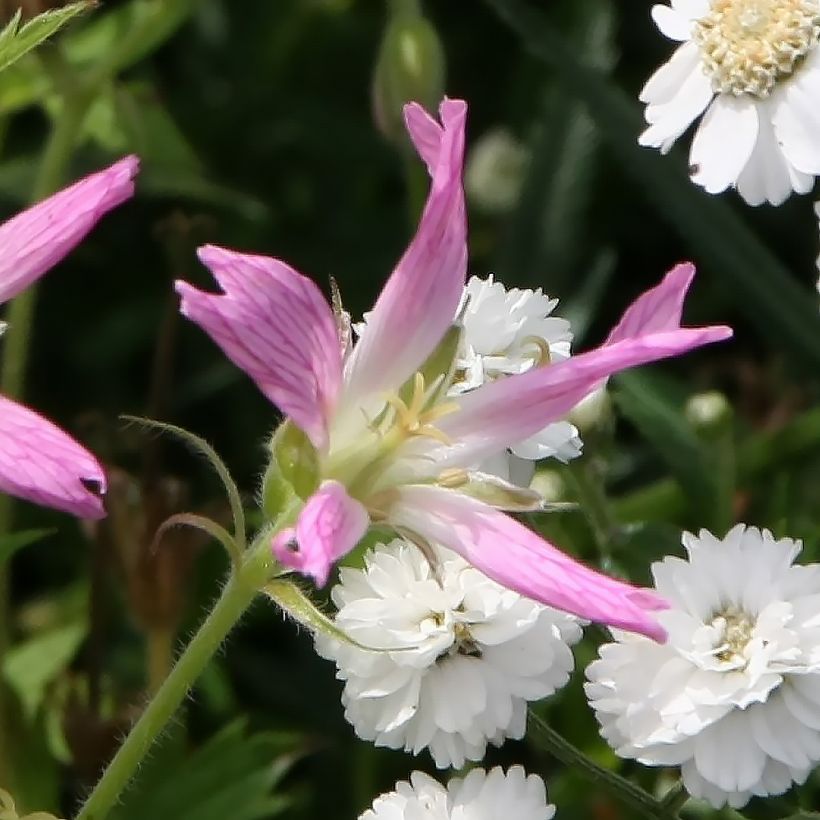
(413, 420)
(543, 355)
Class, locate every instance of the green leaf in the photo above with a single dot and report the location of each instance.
(23, 84)
(753, 278)
(31, 666)
(232, 776)
(16, 40)
(113, 41)
(9, 544)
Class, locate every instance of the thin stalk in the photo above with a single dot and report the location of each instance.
(630, 794)
(236, 597)
(16, 344)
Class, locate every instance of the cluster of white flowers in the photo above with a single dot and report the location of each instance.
(466, 654)
(479, 796)
(733, 696)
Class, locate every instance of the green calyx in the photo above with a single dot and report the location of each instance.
(293, 471)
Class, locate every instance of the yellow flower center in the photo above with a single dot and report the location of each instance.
(748, 46)
(737, 627)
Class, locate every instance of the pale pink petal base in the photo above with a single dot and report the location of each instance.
(39, 237)
(330, 524)
(274, 324)
(520, 560)
(41, 463)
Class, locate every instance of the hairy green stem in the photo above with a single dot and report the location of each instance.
(16, 344)
(236, 597)
(630, 794)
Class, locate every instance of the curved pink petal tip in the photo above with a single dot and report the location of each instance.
(41, 463)
(518, 559)
(39, 237)
(274, 324)
(420, 299)
(330, 524)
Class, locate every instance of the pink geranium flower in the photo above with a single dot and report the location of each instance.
(392, 448)
(38, 461)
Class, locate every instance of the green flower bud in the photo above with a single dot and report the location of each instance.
(410, 68)
(709, 412)
(293, 469)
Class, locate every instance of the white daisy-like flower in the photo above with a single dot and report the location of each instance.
(480, 795)
(733, 697)
(508, 332)
(467, 654)
(753, 67)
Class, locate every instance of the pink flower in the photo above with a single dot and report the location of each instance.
(391, 447)
(38, 461)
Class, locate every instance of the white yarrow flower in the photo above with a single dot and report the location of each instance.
(468, 656)
(733, 697)
(753, 67)
(508, 332)
(480, 795)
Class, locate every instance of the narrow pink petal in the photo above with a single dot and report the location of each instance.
(39, 237)
(41, 463)
(520, 560)
(420, 299)
(425, 133)
(274, 324)
(330, 524)
(501, 413)
(660, 308)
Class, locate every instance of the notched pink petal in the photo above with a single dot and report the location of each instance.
(418, 303)
(657, 309)
(41, 463)
(39, 237)
(274, 324)
(330, 524)
(518, 559)
(426, 133)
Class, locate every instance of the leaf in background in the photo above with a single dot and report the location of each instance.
(753, 277)
(30, 667)
(545, 238)
(663, 425)
(23, 84)
(16, 40)
(9, 544)
(232, 776)
(117, 39)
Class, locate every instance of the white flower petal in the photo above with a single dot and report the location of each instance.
(796, 117)
(672, 23)
(723, 143)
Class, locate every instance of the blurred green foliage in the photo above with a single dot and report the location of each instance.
(255, 127)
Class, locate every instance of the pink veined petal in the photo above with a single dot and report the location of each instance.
(518, 559)
(420, 299)
(39, 237)
(330, 524)
(501, 413)
(657, 309)
(274, 324)
(41, 463)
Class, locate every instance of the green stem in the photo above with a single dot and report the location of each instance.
(634, 796)
(236, 597)
(16, 344)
